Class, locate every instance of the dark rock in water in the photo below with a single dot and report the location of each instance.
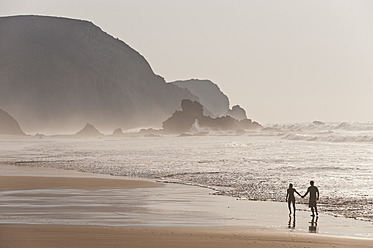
(118, 132)
(319, 123)
(214, 101)
(89, 131)
(40, 135)
(57, 72)
(8, 125)
(237, 113)
(182, 121)
(192, 111)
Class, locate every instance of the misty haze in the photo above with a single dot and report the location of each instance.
(199, 123)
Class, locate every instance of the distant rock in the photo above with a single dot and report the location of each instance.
(215, 102)
(192, 112)
(40, 135)
(8, 125)
(118, 132)
(237, 113)
(57, 72)
(318, 123)
(182, 121)
(89, 131)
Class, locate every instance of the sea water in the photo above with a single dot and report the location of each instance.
(252, 165)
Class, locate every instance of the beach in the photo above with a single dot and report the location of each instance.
(186, 124)
(189, 227)
(251, 166)
(97, 236)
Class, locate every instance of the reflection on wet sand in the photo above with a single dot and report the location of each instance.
(291, 223)
(313, 225)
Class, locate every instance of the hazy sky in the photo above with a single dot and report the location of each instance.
(282, 60)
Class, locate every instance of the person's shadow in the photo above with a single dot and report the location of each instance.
(291, 223)
(313, 225)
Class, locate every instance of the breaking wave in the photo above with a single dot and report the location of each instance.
(320, 126)
(324, 132)
(329, 138)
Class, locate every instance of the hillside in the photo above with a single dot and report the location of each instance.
(58, 74)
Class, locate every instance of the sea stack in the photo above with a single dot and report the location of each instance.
(88, 131)
(192, 112)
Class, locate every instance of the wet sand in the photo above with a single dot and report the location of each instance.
(33, 182)
(96, 236)
(39, 235)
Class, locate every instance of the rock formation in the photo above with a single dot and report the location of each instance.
(182, 121)
(318, 123)
(89, 131)
(237, 113)
(192, 111)
(8, 125)
(215, 102)
(58, 73)
(118, 132)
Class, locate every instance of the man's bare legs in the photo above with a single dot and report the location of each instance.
(313, 210)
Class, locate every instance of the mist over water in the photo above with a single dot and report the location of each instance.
(252, 165)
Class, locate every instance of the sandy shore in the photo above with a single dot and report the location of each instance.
(26, 182)
(40, 236)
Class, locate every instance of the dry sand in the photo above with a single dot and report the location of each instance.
(40, 236)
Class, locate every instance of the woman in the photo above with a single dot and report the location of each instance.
(290, 198)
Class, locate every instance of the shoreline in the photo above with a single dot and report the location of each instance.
(147, 206)
(207, 168)
(39, 236)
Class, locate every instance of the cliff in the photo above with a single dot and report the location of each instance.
(58, 73)
(237, 113)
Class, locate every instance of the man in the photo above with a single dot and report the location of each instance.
(314, 196)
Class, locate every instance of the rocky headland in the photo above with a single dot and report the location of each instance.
(58, 74)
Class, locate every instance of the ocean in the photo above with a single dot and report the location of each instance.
(252, 165)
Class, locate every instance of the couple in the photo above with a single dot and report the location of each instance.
(314, 196)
